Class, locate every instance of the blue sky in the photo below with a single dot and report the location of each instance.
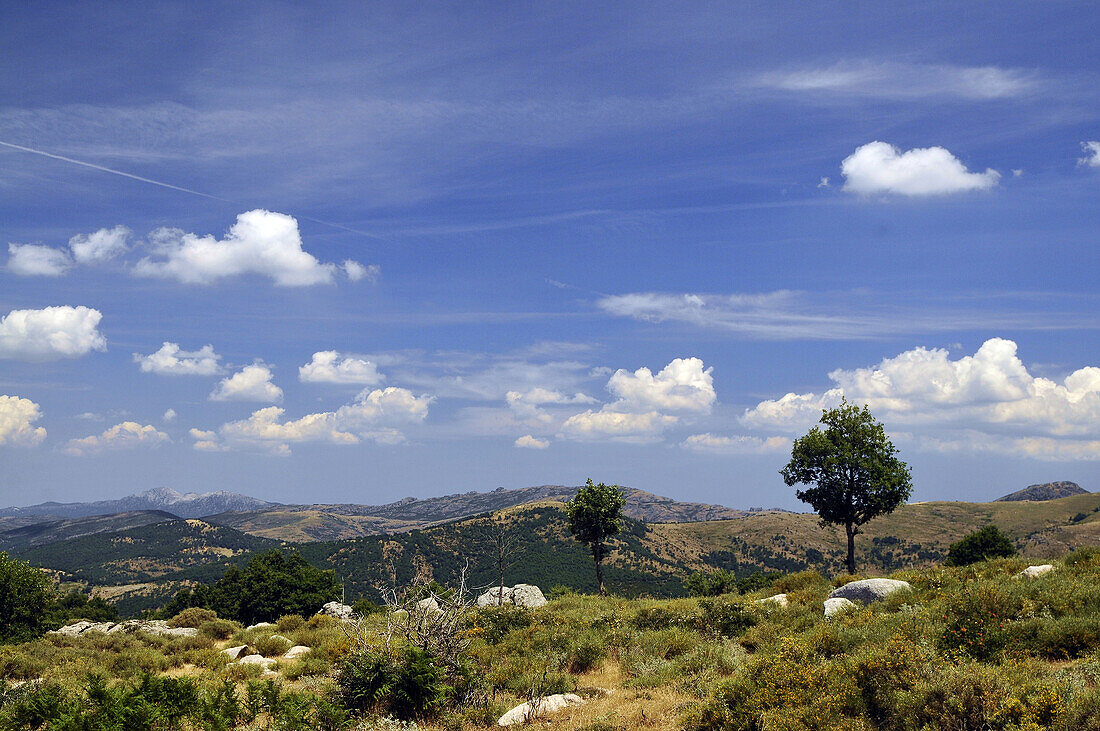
(348, 252)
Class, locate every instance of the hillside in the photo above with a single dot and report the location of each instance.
(55, 531)
(302, 523)
(190, 505)
(1045, 491)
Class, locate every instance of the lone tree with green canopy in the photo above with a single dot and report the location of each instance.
(853, 468)
(595, 513)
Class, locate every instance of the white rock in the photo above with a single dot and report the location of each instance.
(72, 630)
(779, 600)
(267, 625)
(837, 605)
(536, 709)
(1032, 572)
(265, 662)
(338, 610)
(285, 640)
(129, 627)
(521, 595)
(236, 653)
(296, 652)
(428, 606)
(869, 590)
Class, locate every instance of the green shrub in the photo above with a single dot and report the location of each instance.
(981, 545)
(496, 622)
(724, 618)
(711, 583)
(1083, 557)
(218, 629)
(586, 652)
(413, 687)
(193, 617)
(24, 597)
(290, 622)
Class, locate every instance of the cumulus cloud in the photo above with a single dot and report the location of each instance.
(127, 435)
(51, 333)
(739, 444)
(616, 425)
(169, 415)
(101, 246)
(371, 416)
(529, 442)
(17, 417)
(251, 383)
(989, 398)
(171, 361)
(35, 260)
(527, 405)
(356, 271)
(329, 366)
(683, 385)
(1092, 154)
(260, 242)
(879, 167)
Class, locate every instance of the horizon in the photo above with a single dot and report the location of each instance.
(347, 254)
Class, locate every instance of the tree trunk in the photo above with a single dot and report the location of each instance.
(851, 531)
(597, 550)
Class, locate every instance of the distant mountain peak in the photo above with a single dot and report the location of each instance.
(1044, 491)
(189, 505)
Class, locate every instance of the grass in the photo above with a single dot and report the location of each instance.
(968, 648)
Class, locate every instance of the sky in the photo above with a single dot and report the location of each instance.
(334, 252)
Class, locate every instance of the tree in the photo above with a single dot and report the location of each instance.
(504, 545)
(595, 513)
(25, 594)
(989, 542)
(854, 469)
(271, 585)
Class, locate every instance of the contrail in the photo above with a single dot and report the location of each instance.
(131, 176)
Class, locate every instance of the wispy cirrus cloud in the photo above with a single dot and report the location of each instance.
(795, 315)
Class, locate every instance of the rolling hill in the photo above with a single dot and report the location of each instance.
(55, 531)
(1045, 491)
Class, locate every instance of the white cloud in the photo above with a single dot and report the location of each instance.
(988, 398)
(251, 383)
(371, 416)
(390, 405)
(824, 183)
(103, 245)
(127, 435)
(17, 416)
(356, 271)
(171, 361)
(1092, 154)
(904, 81)
(529, 442)
(169, 415)
(527, 405)
(260, 242)
(51, 333)
(328, 366)
(879, 167)
(683, 385)
(619, 426)
(740, 444)
(35, 260)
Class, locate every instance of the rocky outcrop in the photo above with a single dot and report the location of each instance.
(266, 662)
(338, 610)
(296, 652)
(869, 590)
(538, 708)
(1034, 572)
(268, 625)
(129, 627)
(837, 605)
(520, 595)
(778, 600)
(1044, 491)
(236, 653)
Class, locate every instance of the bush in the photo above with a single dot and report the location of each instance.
(496, 622)
(724, 618)
(192, 617)
(218, 629)
(711, 583)
(413, 687)
(24, 597)
(290, 622)
(981, 545)
(586, 652)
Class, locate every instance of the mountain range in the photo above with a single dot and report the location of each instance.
(189, 505)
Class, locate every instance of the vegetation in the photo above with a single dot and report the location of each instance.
(595, 514)
(24, 595)
(271, 585)
(982, 545)
(853, 468)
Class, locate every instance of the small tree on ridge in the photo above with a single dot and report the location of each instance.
(595, 514)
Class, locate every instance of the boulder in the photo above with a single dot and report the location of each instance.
(285, 640)
(836, 605)
(536, 709)
(428, 606)
(1032, 572)
(72, 630)
(269, 625)
(236, 653)
(779, 600)
(297, 651)
(336, 609)
(129, 627)
(869, 590)
(265, 662)
(520, 595)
